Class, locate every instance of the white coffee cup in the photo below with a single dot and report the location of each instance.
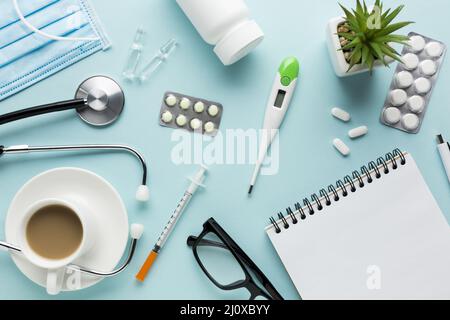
(56, 268)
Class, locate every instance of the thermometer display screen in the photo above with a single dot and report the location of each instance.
(280, 99)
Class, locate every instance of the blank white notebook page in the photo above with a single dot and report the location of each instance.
(388, 240)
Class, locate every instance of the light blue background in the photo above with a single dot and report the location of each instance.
(308, 160)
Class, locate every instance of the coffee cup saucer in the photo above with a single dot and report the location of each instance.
(104, 203)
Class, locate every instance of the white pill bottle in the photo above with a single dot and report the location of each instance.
(226, 24)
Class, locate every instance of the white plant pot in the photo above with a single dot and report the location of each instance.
(341, 65)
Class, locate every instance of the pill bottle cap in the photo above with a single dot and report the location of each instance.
(239, 42)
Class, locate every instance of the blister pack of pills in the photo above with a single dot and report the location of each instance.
(181, 111)
(413, 83)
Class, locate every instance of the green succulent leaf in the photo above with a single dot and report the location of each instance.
(369, 43)
(378, 52)
(388, 19)
(356, 56)
(385, 14)
(352, 44)
(347, 35)
(391, 53)
(392, 28)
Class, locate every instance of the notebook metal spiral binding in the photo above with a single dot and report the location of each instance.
(343, 188)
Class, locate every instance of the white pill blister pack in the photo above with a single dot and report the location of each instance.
(413, 83)
(180, 111)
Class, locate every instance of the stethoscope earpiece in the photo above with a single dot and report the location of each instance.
(136, 231)
(143, 194)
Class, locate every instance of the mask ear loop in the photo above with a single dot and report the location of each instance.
(44, 34)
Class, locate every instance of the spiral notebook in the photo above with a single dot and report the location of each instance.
(378, 234)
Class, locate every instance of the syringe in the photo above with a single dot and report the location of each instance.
(196, 182)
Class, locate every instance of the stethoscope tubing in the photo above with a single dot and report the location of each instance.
(68, 148)
(92, 272)
(43, 109)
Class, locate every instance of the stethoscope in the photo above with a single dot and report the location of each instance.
(142, 195)
(99, 101)
(136, 233)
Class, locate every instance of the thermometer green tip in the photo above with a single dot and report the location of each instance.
(289, 70)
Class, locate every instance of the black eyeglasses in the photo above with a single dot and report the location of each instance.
(227, 265)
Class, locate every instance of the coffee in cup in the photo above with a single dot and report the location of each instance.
(54, 232)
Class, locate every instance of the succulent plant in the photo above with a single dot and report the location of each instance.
(368, 34)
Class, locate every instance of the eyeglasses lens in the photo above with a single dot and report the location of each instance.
(219, 262)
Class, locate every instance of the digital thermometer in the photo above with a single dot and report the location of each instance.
(278, 105)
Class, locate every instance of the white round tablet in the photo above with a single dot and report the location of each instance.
(196, 124)
(392, 115)
(398, 97)
(185, 104)
(410, 122)
(417, 43)
(213, 110)
(416, 104)
(404, 79)
(171, 100)
(410, 61)
(167, 117)
(210, 127)
(434, 49)
(181, 120)
(428, 67)
(422, 85)
(199, 107)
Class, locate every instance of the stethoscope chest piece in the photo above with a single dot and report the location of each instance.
(104, 98)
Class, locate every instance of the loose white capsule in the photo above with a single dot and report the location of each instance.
(341, 114)
(417, 43)
(392, 115)
(428, 67)
(171, 100)
(181, 120)
(213, 110)
(404, 79)
(410, 61)
(185, 104)
(422, 85)
(434, 49)
(341, 147)
(358, 132)
(398, 97)
(410, 122)
(416, 104)
(167, 117)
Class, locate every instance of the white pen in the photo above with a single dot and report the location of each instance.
(444, 151)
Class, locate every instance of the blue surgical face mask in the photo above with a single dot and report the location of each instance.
(41, 37)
